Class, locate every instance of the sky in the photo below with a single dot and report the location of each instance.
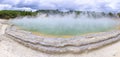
(82, 5)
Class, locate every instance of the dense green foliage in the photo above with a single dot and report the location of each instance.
(7, 14)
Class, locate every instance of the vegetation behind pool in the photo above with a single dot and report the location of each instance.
(10, 14)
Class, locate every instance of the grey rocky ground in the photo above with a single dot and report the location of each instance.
(10, 48)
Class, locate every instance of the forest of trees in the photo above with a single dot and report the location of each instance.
(9, 14)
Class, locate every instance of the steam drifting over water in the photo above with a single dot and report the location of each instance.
(66, 25)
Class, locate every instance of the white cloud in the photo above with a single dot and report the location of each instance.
(23, 8)
(92, 5)
(4, 6)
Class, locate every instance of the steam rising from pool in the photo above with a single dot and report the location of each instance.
(66, 25)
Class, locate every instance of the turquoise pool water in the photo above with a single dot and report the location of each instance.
(64, 25)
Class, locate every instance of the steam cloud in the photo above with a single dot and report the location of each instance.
(66, 25)
(87, 5)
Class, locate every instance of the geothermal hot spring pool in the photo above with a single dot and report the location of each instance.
(55, 26)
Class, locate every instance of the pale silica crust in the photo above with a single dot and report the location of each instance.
(76, 44)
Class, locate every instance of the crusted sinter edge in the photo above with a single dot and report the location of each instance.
(62, 45)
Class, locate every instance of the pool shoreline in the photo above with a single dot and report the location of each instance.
(62, 45)
(11, 48)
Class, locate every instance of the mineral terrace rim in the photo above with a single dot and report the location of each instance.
(62, 45)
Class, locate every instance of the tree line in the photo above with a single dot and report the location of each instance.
(9, 14)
